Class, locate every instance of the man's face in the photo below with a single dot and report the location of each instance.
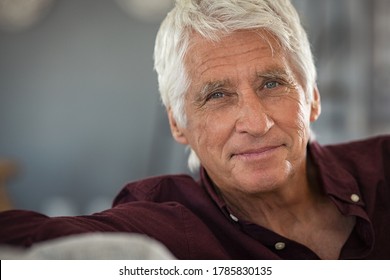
(247, 113)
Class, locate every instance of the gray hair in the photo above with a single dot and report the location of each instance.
(213, 19)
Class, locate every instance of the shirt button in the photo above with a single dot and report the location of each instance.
(234, 218)
(280, 245)
(355, 197)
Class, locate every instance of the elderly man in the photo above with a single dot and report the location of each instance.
(239, 84)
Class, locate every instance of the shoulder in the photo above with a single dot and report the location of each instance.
(373, 150)
(367, 161)
(158, 188)
(378, 143)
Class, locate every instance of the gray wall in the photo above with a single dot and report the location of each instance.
(79, 106)
(80, 112)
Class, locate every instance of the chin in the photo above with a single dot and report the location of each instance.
(264, 187)
(261, 183)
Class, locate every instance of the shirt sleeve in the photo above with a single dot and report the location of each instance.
(169, 223)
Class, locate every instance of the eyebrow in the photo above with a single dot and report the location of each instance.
(275, 73)
(283, 74)
(210, 87)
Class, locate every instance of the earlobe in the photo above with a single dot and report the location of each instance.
(315, 105)
(177, 132)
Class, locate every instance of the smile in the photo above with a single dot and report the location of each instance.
(252, 154)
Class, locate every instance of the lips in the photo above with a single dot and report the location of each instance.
(256, 152)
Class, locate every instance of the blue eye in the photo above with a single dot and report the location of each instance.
(216, 95)
(271, 84)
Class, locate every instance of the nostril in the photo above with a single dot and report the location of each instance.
(256, 124)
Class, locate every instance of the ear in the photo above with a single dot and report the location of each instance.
(177, 132)
(315, 105)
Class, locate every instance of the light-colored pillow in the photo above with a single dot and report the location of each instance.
(92, 246)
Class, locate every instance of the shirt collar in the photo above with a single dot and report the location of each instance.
(211, 189)
(215, 194)
(334, 177)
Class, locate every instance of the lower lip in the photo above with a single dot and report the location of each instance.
(257, 155)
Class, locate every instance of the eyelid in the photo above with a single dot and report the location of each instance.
(282, 81)
(212, 94)
(278, 83)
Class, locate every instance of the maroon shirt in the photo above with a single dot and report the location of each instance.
(192, 220)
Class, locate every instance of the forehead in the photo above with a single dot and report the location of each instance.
(239, 52)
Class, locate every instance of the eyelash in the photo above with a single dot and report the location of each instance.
(213, 95)
(276, 84)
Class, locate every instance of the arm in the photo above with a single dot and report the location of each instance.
(169, 223)
(24, 228)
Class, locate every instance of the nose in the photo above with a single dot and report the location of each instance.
(253, 117)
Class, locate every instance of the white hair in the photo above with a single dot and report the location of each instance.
(213, 19)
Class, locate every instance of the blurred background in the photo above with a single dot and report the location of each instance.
(80, 114)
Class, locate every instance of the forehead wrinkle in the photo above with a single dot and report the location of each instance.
(254, 50)
(209, 59)
(211, 68)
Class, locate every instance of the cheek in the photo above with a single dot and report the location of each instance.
(210, 131)
(295, 117)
